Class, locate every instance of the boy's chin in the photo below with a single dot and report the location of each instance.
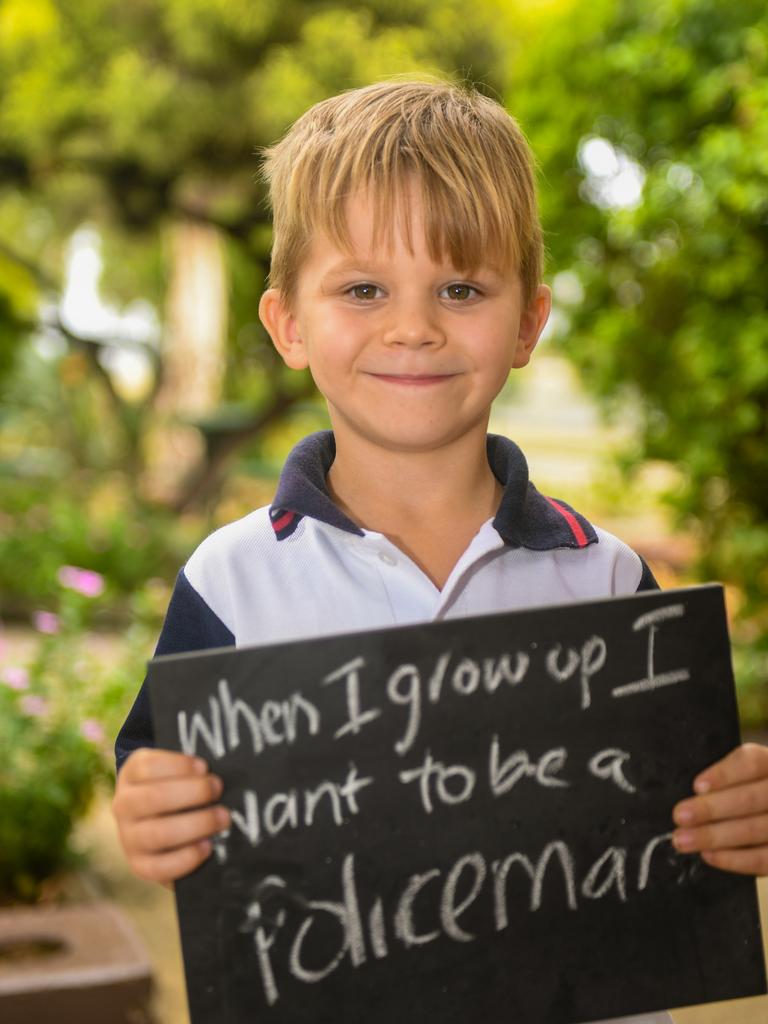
(404, 438)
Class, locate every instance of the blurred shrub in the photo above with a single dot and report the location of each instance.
(751, 668)
(59, 712)
(47, 523)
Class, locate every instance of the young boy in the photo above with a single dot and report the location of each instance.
(406, 274)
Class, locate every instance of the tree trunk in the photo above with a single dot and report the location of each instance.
(193, 357)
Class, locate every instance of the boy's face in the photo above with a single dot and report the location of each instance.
(408, 353)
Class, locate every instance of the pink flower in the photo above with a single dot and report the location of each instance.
(16, 677)
(45, 622)
(84, 581)
(92, 730)
(33, 705)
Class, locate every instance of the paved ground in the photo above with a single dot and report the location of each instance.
(151, 908)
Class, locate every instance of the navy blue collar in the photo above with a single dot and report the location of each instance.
(525, 518)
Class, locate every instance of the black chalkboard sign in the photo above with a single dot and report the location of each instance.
(462, 821)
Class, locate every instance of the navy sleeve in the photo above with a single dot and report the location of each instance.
(647, 579)
(189, 625)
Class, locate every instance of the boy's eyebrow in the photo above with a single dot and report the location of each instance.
(352, 264)
(372, 268)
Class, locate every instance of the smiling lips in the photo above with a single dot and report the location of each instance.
(413, 379)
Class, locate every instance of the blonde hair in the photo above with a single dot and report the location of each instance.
(467, 155)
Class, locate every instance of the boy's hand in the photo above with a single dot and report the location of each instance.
(164, 816)
(728, 821)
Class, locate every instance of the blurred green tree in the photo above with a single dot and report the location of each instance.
(649, 118)
(143, 120)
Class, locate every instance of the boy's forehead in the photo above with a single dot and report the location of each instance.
(375, 224)
(374, 236)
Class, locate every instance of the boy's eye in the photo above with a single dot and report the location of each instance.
(460, 291)
(363, 291)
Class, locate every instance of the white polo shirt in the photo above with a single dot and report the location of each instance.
(300, 568)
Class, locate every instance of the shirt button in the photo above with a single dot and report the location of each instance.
(387, 559)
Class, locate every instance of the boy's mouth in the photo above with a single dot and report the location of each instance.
(414, 379)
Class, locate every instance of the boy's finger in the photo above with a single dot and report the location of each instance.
(167, 796)
(746, 763)
(157, 835)
(735, 802)
(148, 764)
(167, 867)
(738, 832)
(742, 862)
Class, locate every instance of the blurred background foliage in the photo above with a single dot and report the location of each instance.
(128, 139)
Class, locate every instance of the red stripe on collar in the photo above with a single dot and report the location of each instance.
(578, 534)
(278, 525)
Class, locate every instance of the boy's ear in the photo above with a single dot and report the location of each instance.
(283, 329)
(532, 321)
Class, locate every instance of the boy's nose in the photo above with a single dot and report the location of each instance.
(414, 325)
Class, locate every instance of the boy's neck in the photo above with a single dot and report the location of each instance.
(430, 504)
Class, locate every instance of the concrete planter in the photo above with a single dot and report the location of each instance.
(79, 963)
